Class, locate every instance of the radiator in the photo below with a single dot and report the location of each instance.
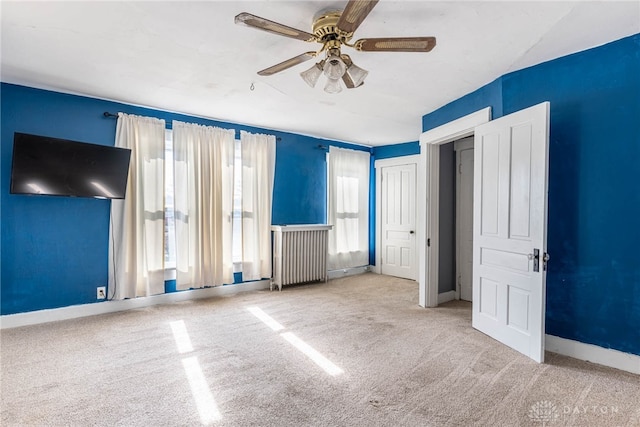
(299, 253)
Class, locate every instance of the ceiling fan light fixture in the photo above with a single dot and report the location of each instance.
(333, 86)
(357, 74)
(334, 67)
(312, 75)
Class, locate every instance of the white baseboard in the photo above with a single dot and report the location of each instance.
(83, 310)
(593, 353)
(446, 297)
(336, 274)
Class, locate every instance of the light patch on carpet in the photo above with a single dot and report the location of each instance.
(302, 346)
(312, 354)
(265, 318)
(180, 334)
(206, 404)
(207, 407)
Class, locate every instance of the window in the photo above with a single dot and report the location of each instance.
(169, 211)
(348, 207)
(346, 214)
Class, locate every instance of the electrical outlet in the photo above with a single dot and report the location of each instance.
(101, 292)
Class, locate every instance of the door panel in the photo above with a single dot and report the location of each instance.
(520, 178)
(398, 221)
(510, 193)
(490, 185)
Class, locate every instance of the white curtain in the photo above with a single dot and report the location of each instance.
(136, 233)
(258, 170)
(348, 208)
(203, 201)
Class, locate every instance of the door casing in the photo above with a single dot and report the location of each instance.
(428, 193)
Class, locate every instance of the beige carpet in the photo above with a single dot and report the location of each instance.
(214, 362)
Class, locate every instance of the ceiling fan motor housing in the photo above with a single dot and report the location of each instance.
(325, 26)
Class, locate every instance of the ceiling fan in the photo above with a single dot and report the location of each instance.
(332, 29)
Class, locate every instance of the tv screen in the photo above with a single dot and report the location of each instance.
(59, 167)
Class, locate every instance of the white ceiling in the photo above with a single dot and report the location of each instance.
(190, 57)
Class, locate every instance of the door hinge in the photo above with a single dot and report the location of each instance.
(429, 242)
(460, 168)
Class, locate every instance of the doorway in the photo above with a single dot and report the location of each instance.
(396, 227)
(429, 199)
(510, 222)
(455, 225)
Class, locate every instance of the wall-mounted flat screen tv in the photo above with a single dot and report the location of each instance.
(59, 167)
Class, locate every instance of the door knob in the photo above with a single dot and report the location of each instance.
(411, 232)
(545, 258)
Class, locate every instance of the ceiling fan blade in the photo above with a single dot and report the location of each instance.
(287, 64)
(396, 44)
(354, 13)
(273, 27)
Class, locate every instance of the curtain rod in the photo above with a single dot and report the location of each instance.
(108, 114)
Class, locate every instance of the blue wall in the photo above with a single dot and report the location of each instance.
(396, 150)
(489, 95)
(593, 281)
(55, 249)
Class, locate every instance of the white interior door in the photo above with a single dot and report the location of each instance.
(510, 229)
(464, 217)
(398, 221)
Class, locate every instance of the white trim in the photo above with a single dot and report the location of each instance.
(397, 161)
(378, 258)
(352, 271)
(593, 353)
(446, 297)
(422, 217)
(413, 159)
(433, 200)
(456, 129)
(428, 196)
(457, 212)
(84, 310)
